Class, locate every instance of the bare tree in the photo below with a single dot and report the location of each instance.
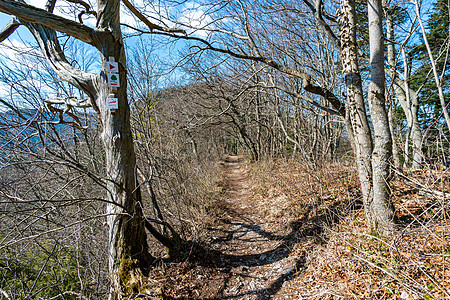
(128, 250)
(254, 41)
(50, 193)
(437, 79)
(408, 98)
(380, 212)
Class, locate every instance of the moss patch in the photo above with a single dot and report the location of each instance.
(135, 284)
(130, 276)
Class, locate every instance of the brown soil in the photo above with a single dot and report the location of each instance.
(257, 252)
(253, 255)
(286, 231)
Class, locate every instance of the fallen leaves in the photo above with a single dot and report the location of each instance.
(346, 262)
(340, 260)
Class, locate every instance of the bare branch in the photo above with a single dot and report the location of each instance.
(62, 227)
(5, 294)
(9, 29)
(148, 23)
(317, 10)
(50, 47)
(69, 102)
(87, 9)
(308, 85)
(32, 14)
(247, 30)
(50, 6)
(307, 99)
(86, 6)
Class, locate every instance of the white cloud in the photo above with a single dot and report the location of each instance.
(4, 90)
(37, 3)
(67, 10)
(196, 19)
(13, 49)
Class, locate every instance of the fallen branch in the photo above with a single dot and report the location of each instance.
(423, 189)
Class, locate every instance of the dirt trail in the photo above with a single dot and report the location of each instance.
(257, 254)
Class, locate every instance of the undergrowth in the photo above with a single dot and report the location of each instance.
(324, 207)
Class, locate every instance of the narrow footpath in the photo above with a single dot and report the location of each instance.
(258, 257)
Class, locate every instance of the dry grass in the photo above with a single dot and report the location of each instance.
(343, 261)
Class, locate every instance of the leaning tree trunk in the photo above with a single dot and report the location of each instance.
(380, 210)
(355, 100)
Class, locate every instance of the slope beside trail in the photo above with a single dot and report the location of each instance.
(257, 250)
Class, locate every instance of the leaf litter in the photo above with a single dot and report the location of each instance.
(287, 231)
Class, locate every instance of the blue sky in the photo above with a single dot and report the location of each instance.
(4, 19)
(192, 14)
(22, 37)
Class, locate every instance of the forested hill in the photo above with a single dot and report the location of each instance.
(208, 149)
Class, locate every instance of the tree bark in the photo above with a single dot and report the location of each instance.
(395, 150)
(391, 60)
(128, 249)
(355, 100)
(402, 90)
(380, 209)
(416, 133)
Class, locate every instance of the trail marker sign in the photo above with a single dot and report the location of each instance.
(112, 103)
(112, 72)
(113, 80)
(112, 67)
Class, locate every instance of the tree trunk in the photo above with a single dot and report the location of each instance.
(128, 248)
(416, 133)
(395, 150)
(404, 92)
(380, 209)
(391, 60)
(355, 101)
